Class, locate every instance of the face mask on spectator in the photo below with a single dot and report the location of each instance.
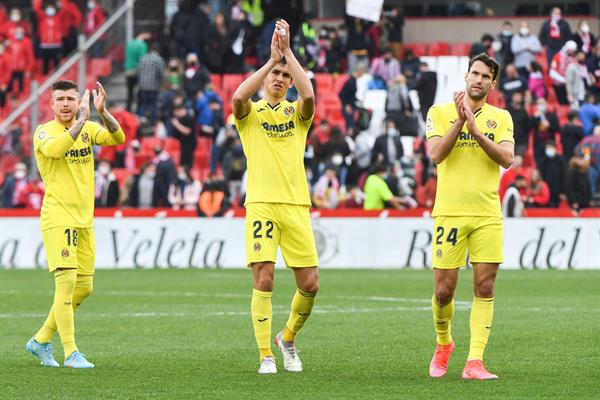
(585, 28)
(541, 108)
(15, 17)
(507, 32)
(19, 174)
(50, 11)
(556, 17)
(104, 169)
(392, 131)
(150, 174)
(91, 5)
(19, 35)
(182, 176)
(524, 31)
(189, 73)
(550, 152)
(337, 159)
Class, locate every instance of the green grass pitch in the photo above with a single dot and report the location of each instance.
(187, 334)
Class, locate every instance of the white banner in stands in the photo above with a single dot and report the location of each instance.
(364, 9)
(561, 243)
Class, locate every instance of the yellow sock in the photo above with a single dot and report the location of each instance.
(83, 288)
(482, 313)
(262, 314)
(63, 308)
(442, 321)
(302, 305)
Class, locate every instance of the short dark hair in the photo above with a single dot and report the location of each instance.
(64, 85)
(488, 61)
(572, 115)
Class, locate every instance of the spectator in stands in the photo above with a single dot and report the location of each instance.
(178, 26)
(234, 164)
(165, 174)
(385, 67)
(184, 192)
(143, 193)
(135, 50)
(388, 147)
(354, 199)
(378, 36)
(554, 172)
(326, 193)
(238, 34)
(399, 108)
(305, 41)
(558, 70)
(21, 59)
(511, 83)
(5, 74)
(218, 44)
(151, 74)
(426, 87)
(318, 138)
(13, 184)
(357, 42)
(332, 50)
(509, 175)
(72, 19)
(535, 82)
(545, 126)
(50, 33)
(348, 97)
(570, 134)
(361, 156)
(8, 29)
(589, 149)
(537, 193)
(195, 35)
(521, 124)
(584, 38)
(196, 76)
(593, 64)
(525, 46)
(394, 24)
(377, 193)
(183, 127)
(401, 185)
(30, 195)
(106, 186)
(483, 46)
(512, 202)
(132, 150)
(130, 124)
(589, 114)
(576, 80)
(410, 68)
(578, 183)
(554, 33)
(505, 55)
(335, 152)
(174, 73)
(426, 196)
(214, 197)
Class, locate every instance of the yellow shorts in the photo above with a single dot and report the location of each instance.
(269, 225)
(453, 236)
(68, 247)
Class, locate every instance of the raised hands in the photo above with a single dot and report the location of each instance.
(99, 98)
(84, 106)
(280, 42)
(459, 98)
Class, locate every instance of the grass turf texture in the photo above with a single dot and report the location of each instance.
(183, 334)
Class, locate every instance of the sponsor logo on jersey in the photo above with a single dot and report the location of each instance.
(84, 152)
(257, 247)
(279, 131)
(42, 135)
(288, 110)
(85, 137)
(64, 253)
(491, 124)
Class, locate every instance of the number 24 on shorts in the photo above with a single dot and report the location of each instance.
(451, 238)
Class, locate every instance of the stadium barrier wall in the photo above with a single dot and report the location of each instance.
(395, 243)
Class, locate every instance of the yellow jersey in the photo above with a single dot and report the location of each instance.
(274, 140)
(468, 178)
(67, 170)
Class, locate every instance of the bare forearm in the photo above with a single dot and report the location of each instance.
(501, 155)
(439, 150)
(253, 83)
(305, 89)
(110, 122)
(75, 130)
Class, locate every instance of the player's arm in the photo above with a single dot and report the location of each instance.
(57, 146)
(113, 133)
(241, 98)
(439, 147)
(502, 153)
(306, 103)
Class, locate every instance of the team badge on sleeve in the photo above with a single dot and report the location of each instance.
(288, 110)
(429, 124)
(42, 135)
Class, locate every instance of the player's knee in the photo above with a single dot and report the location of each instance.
(443, 295)
(485, 289)
(311, 286)
(264, 282)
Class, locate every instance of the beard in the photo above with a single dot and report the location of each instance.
(477, 95)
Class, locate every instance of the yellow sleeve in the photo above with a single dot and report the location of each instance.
(102, 136)
(506, 134)
(52, 144)
(241, 124)
(433, 125)
(304, 124)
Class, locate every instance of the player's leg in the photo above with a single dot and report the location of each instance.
(300, 253)
(449, 254)
(262, 239)
(485, 247)
(86, 260)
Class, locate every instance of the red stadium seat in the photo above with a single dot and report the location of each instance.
(419, 49)
(231, 82)
(438, 49)
(460, 48)
(100, 66)
(324, 82)
(149, 143)
(339, 81)
(121, 174)
(171, 145)
(216, 81)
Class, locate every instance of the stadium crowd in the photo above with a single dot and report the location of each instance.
(183, 151)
